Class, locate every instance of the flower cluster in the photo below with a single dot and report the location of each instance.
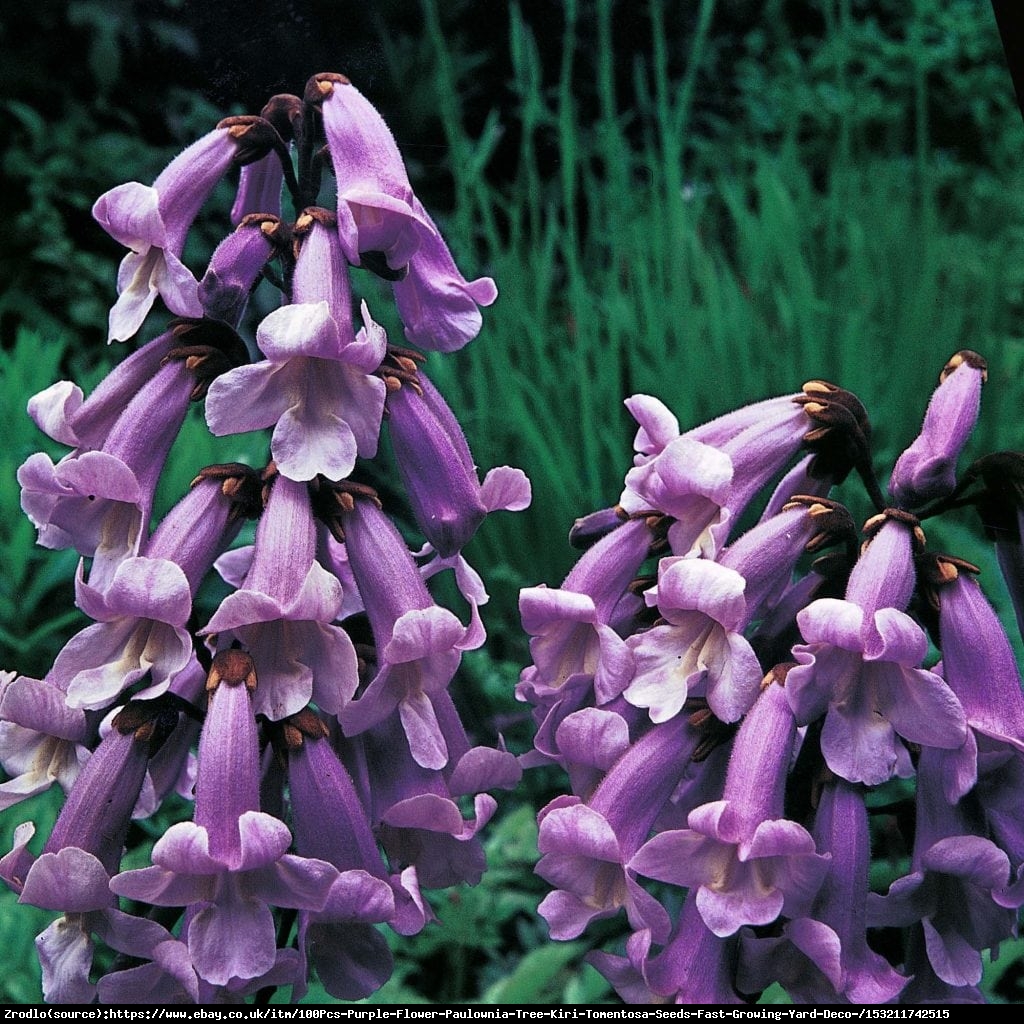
(309, 717)
(732, 707)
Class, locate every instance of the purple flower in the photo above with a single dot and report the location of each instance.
(746, 862)
(284, 611)
(235, 267)
(695, 965)
(62, 412)
(700, 648)
(259, 189)
(438, 471)
(144, 607)
(959, 886)
(72, 873)
(858, 669)
(98, 498)
(153, 221)
(926, 471)
(705, 478)
(585, 846)
(979, 666)
(419, 644)
(440, 309)
(315, 387)
(231, 863)
(825, 958)
(573, 627)
(42, 740)
(330, 822)
(140, 630)
(375, 200)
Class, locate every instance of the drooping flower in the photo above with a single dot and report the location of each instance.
(284, 613)
(747, 863)
(231, 863)
(858, 669)
(315, 387)
(153, 222)
(419, 643)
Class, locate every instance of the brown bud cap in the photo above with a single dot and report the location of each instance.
(315, 215)
(240, 483)
(254, 137)
(935, 571)
(302, 724)
(833, 520)
(233, 668)
(969, 357)
(275, 229)
(321, 85)
(776, 676)
(898, 515)
(284, 112)
(152, 721)
(841, 433)
(714, 731)
(331, 499)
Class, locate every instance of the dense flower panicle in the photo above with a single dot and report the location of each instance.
(679, 634)
(365, 754)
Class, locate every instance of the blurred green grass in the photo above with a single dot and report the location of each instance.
(794, 239)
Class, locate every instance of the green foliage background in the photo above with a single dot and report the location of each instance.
(707, 202)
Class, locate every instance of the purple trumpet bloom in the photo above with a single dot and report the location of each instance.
(140, 629)
(705, 478)
(701, 647)
(585, 846)
(72, 873)
(315, 386)
(230, 864)
(419, 644)
(375, 200)
(62, 412)
(825, 958)
(980, 668)
(440, 309)
(700, 650)
(926, 471)
(259, 189)
(329, 821)
(153, 221)
(420, 824)
(574, 627)
(959, 886)
(235, 268)
(438, 471)
(284, 612)
(747, 863)
(144, 607)
(171, 978)
(99, 501)
(858, 669)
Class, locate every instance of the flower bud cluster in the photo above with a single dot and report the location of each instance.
(732, 708)
(309, 718)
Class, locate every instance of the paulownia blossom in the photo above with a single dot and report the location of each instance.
(366, 753)
(775, 851)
